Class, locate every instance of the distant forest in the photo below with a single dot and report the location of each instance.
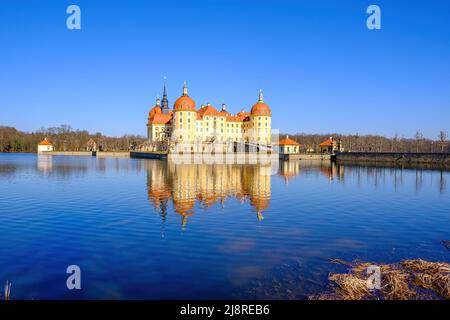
(375, 143)
(64, 138)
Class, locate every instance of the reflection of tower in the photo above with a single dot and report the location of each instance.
(158, 186)
(258, 181)
(184, 190)
(206, 175)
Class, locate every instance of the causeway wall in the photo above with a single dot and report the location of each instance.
(439, 159)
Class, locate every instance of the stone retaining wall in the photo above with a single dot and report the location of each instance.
(442, 159)
(305, 156)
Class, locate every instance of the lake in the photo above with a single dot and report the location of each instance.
(152, 229)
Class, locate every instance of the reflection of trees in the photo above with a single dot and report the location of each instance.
(7, 170)
(419, 180)
(291, 169)
(66, 167)
(367, 173)
(186, 185)
(442, 182)
(396, 175)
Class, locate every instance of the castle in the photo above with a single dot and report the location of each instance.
(193, 128)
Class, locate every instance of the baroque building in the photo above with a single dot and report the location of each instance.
(189, 126)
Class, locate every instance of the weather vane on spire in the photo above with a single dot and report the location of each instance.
(261, 98)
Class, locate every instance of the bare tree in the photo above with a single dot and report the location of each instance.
(394, 143)
(418, 137)
(442, 139)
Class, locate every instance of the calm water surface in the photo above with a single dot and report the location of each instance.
(152, 229)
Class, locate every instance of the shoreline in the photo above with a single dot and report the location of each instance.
(397, 159)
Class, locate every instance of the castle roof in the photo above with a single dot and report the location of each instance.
(161, 118)
(261, 108)
(159, 115)
(184, 103)
(208, 110)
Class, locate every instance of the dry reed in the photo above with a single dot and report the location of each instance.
(407, 280)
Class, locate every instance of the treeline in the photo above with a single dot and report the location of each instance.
(63, 138)
(375, 143)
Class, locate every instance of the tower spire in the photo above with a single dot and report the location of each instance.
(165, 92)
(165, 102)
(261, 97)
(185, 89)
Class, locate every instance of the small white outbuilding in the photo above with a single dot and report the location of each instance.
(289, 146)
(45, 146)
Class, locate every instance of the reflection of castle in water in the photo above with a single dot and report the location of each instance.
(188, 184)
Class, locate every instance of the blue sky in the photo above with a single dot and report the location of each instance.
(320, 68)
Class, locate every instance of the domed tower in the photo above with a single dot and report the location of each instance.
(151, 116)
(185, 115)
(261, 122)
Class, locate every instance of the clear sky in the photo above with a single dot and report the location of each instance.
(319, 66)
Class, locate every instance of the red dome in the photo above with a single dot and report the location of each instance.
(261, 109)
(156, 109)
(184, 103)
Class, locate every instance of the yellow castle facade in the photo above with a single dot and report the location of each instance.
(189, 126)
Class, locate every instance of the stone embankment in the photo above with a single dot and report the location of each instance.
(436, 159)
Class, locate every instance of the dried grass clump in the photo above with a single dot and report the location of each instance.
(430, 275)
(350, 287)
(425, 266)
(407, 280)
(395, 286)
